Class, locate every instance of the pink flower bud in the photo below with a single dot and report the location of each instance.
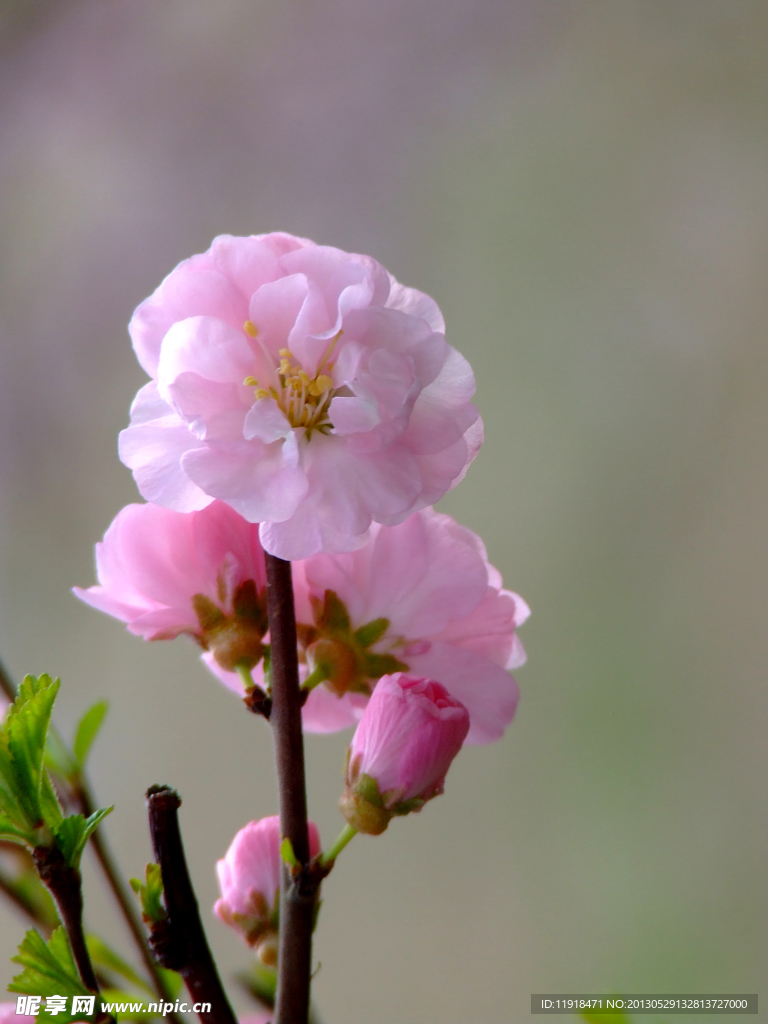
(410, 732)
(249, 879)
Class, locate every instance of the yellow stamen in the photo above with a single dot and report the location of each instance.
(286, 353)
(250, 328)
(251, 382)
(263, 393)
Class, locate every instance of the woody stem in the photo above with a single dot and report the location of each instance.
(299, 885)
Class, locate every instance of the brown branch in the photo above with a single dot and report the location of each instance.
(185, 947)
(65, 885)
(299, 887)
(123, 897)
(6, 684)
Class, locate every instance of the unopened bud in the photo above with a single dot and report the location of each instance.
(404, 744)
(249, 879)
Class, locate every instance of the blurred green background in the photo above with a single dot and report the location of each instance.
(583, 187)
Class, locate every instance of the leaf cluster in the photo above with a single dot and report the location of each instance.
(30, 813)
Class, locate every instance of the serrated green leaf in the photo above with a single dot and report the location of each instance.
(87, 731)
(106, 958)
(73, 833)
(49, 969)
(9, 833)
(150, 894)
(58, 758)
(371, 632)
(25, 730)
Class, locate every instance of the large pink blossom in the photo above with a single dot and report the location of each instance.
(419, 597)
(249, 879)
(303, 386)
(165, 573)
(401, 751)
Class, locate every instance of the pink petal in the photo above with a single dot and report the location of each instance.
(261, 482)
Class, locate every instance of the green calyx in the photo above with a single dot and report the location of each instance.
(340, 656)
(236, 638)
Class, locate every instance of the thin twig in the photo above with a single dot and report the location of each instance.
(123, 898)
(23, 903)
(6, 684)
(185, 946)
(65, 885)
(299, 887)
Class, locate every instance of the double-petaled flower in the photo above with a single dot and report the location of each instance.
(301, 385)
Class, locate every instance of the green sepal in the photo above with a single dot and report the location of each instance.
(368, 788)
(371, 632)
(49, 969)
(87, 730)
(150, 894)
(208, 614)
(102, 956)
(250, 606)
(331, 615)
(73, 833)
(378, 665)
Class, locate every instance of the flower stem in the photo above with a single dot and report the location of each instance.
(185, 939)
(245, 676)
(345, 836)
(299, 886)
(317, 676)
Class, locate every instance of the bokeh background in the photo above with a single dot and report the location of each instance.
(583, 186)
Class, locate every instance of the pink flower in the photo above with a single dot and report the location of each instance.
(265, 1017)
(303, 386)
(419, 597)
(249, 879)
(8, 1013)
(401, 751)
(165, 573)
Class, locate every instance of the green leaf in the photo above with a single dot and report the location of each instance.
(371, 632)
(73, 833)
(24, 735)
(138, 1005)
(173, 981)
(49, 969)
(106, 958)
(261, 982)
(9, 833)
(619, 1017)
(87, 730)
(150, 894)
(288, 854)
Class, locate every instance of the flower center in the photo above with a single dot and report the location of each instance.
(304, 400)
